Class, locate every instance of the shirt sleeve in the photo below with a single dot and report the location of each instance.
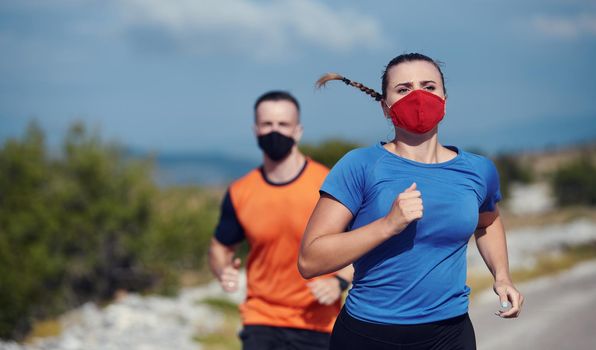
(229, 231)
(493, 190)
(345, 181)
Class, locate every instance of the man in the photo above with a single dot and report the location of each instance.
(270, 207)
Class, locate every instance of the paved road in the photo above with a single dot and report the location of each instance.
(559, 313)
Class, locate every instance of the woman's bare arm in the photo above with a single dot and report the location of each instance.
(492, 245)
(327, 247)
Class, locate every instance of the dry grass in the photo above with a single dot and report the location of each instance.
(555, 217)
(195, 277)
(546, 265)
(43, 329)
(226, 338)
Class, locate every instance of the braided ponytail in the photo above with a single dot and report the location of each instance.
(334, 76)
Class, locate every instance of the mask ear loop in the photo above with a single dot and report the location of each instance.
(391, 127)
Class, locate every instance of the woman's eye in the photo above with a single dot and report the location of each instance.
(402, 90)
(430, 88)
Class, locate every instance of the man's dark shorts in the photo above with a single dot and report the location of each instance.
(282, 338)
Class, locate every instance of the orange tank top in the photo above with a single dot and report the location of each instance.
(273, 218)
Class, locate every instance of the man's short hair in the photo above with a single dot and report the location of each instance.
(276, 95)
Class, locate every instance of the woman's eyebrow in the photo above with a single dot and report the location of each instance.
(407, 83)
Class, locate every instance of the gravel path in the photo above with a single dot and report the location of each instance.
(558, 314)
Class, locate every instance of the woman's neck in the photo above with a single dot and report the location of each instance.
(286, 169)
(423, 148)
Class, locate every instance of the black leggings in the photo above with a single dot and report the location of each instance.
(451, 334)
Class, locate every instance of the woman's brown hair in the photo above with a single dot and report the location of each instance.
(408, 57)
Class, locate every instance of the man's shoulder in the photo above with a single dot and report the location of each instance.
(252, 177)
(317, 167)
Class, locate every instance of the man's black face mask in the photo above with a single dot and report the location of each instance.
(275, 145)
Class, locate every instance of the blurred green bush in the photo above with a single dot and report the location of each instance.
(182, 224)
(574, 184)
(328, 152)
(512, 170)
(80, 225)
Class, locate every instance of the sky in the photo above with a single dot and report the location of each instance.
(182, 76)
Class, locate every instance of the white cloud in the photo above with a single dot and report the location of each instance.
(570, 27)
(272, 29)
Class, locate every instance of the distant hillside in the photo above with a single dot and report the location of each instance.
(199, 169)
(209, 169)
(548, 160)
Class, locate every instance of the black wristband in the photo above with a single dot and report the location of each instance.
(343, 284)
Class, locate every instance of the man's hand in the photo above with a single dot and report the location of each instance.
(228, 279)
(325, 290)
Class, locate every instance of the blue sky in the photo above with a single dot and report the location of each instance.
(172, 76)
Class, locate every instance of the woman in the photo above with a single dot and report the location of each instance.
(403, 212)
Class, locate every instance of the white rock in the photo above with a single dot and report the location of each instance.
(137, 322)
(530, 199)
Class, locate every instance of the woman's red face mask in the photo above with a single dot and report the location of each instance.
(418, 112)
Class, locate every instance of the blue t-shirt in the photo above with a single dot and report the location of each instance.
(419, 275)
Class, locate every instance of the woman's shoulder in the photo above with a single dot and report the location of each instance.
(481, 163)
(471, 156)
(366, 153)
(358, 159)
